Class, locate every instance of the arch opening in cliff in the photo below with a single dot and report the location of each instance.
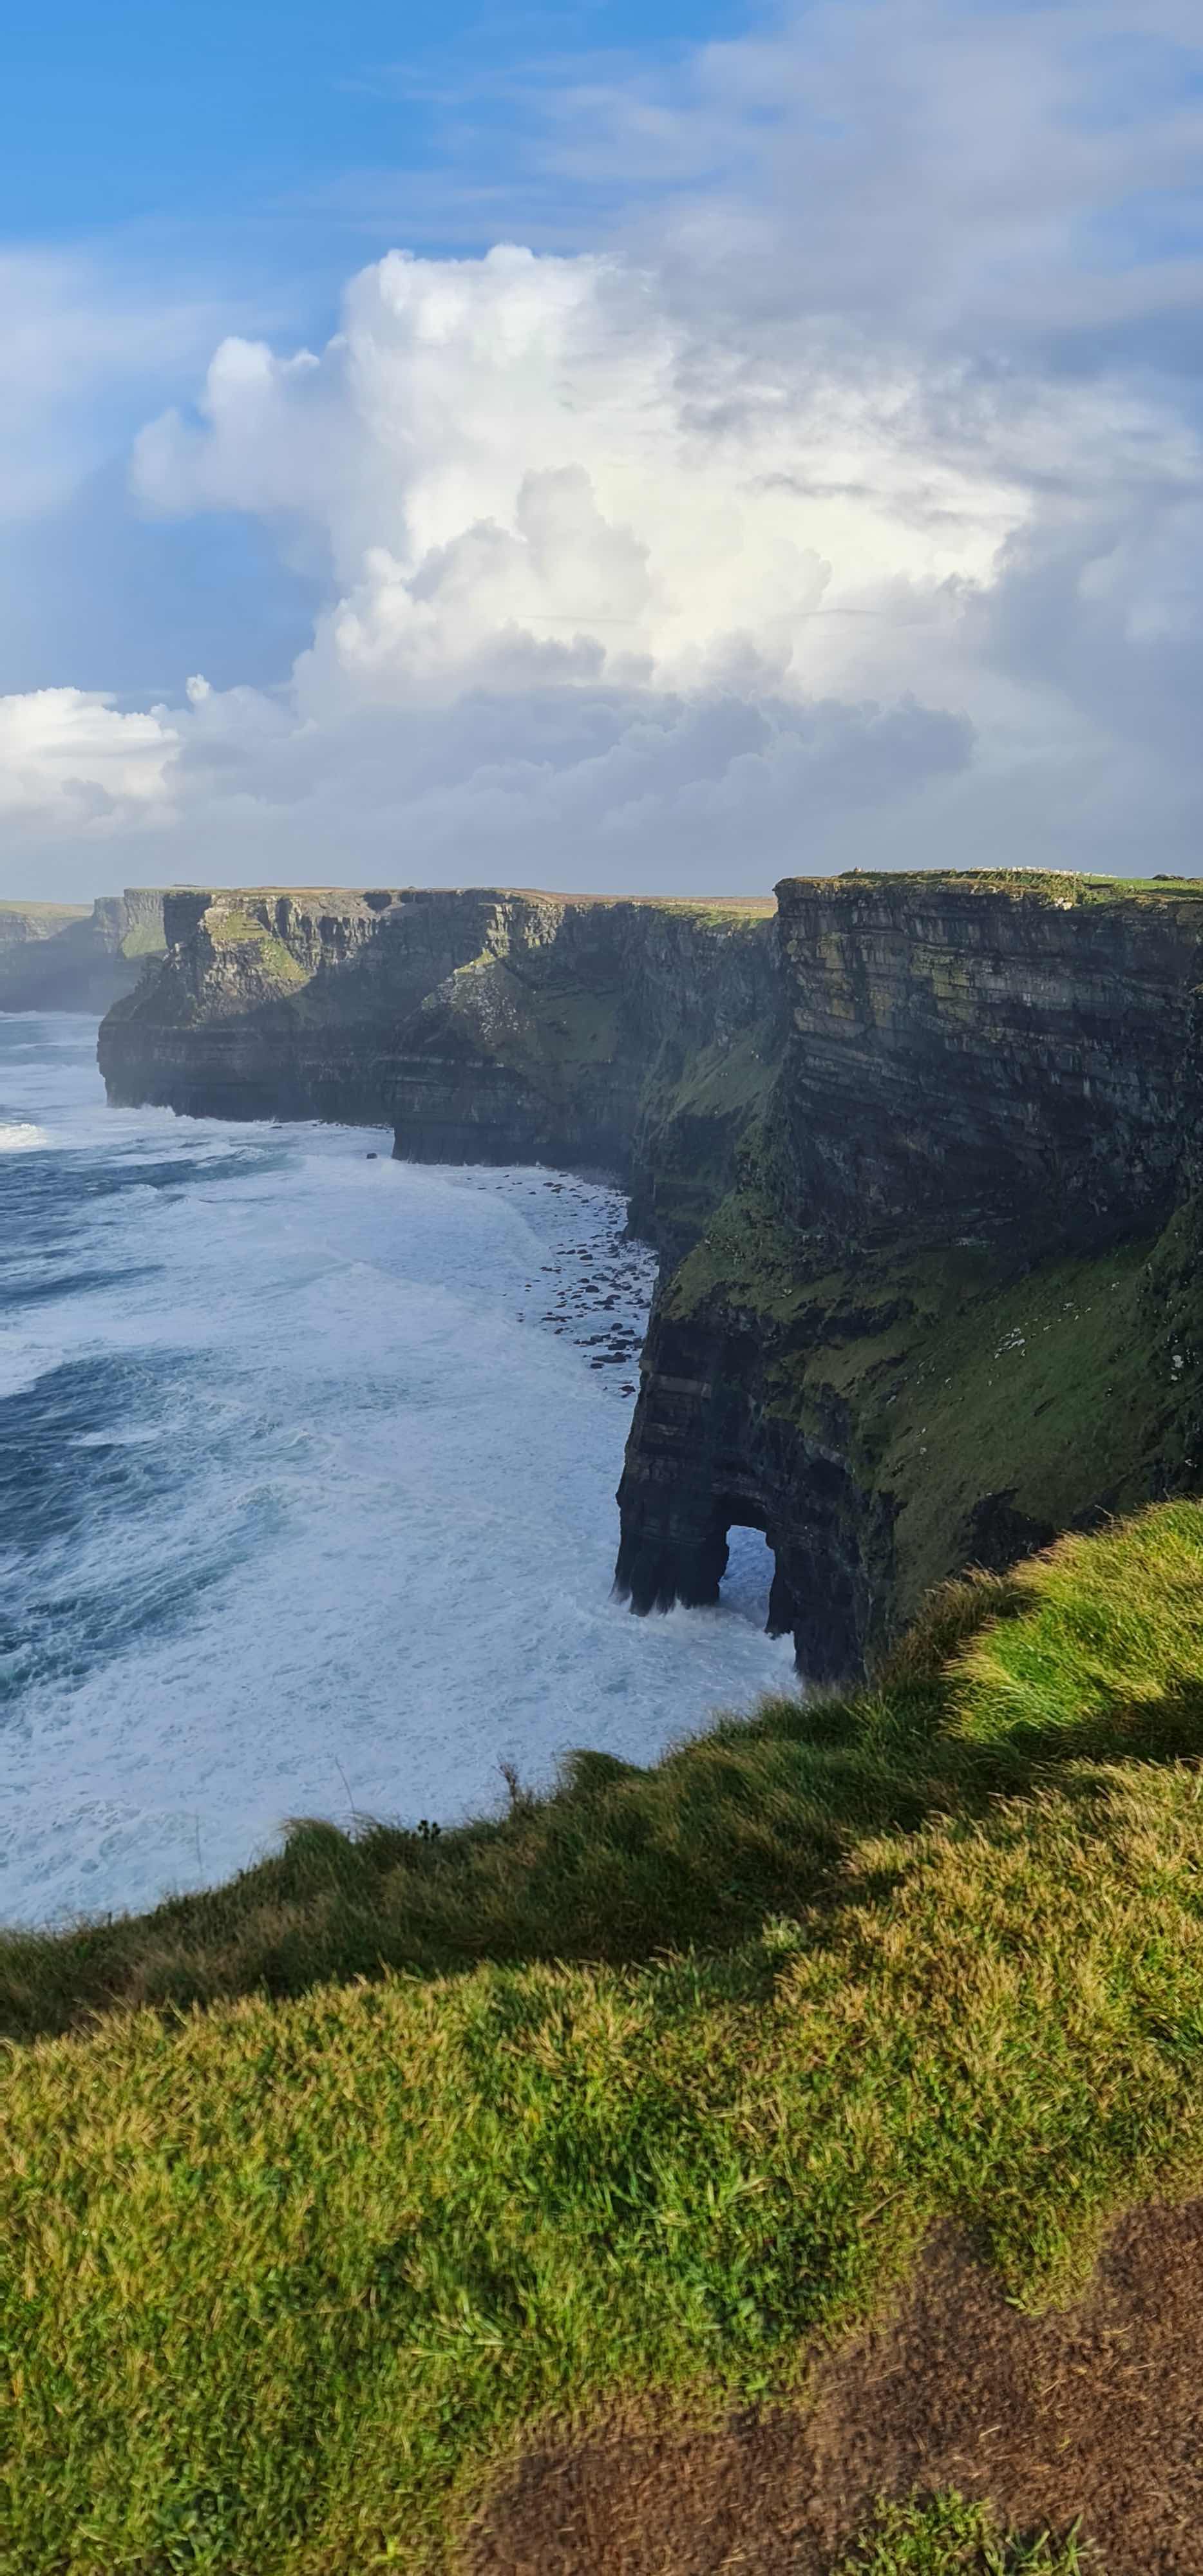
(747, 1578)
(683, 1558)
(750, 1574)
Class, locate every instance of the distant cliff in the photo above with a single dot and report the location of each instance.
(77, 957)
(916, 1153)
(486, 1025)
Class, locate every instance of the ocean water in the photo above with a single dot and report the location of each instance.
(307, 1465)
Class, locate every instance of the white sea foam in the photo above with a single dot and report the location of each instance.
(330, 1516)
(19, 1137)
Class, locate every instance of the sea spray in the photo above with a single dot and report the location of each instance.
(307, 1464)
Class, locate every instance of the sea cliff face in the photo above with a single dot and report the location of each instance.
(950, 1309)
(635, 1039)
(916, 1153)
(982, 1057)
(77, 957)
(270, 1003)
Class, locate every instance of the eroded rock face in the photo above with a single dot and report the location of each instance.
(970, 1058)
(487, 1026)
(951, 1309)
(711, 1449)
(284, 1004)
(77, 957)
(916, 1153)
(626, 1038)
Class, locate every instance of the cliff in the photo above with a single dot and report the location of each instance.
(77, 957)
(952, 1307)
(487, 1025)
(635, 1039)
(915, 1151)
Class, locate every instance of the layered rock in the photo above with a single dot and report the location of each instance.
(975, 1054)
(277, 1003)
(634, 1039)
(916, 1153)
(948, 1311)
(77, 957)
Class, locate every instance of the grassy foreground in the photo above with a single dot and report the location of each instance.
(640, 2089)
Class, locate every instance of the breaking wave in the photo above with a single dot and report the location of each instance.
(307, 1464)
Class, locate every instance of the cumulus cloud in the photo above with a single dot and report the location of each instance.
(844, 508)
(507, 455)
(71, 762)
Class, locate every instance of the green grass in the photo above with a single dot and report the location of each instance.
(231, 926)
(1047, 1388)
(58, 914)
(668, 2076)
(1109, 1637)
(1063, 1389)
(145, 939)
(1066, 887)
(937, 2538)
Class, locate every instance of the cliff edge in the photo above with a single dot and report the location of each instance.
(77, 957)
(917, 1153)
(951, 1307)
(487, 1025)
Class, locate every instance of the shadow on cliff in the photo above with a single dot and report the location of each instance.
(1089, 1654)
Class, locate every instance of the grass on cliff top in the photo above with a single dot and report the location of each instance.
(1051, 1391)
(756, 906)
(721, 907)
(57, 913)
(683, 2066)
(1068, 887)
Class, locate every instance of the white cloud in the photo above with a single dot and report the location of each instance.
(847, 509)
(509, 464)
(579, 632)
(71, 762)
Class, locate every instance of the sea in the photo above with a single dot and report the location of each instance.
(307, 1473)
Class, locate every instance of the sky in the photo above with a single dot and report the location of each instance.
(600, 447)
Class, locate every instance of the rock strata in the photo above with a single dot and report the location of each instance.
(77, 957)
(633, 1040)
(914, 1151)
(981, 1057)
(949, 1310)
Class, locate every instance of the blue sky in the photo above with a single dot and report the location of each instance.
(274, 123)
(264, 152)
(817, 482)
